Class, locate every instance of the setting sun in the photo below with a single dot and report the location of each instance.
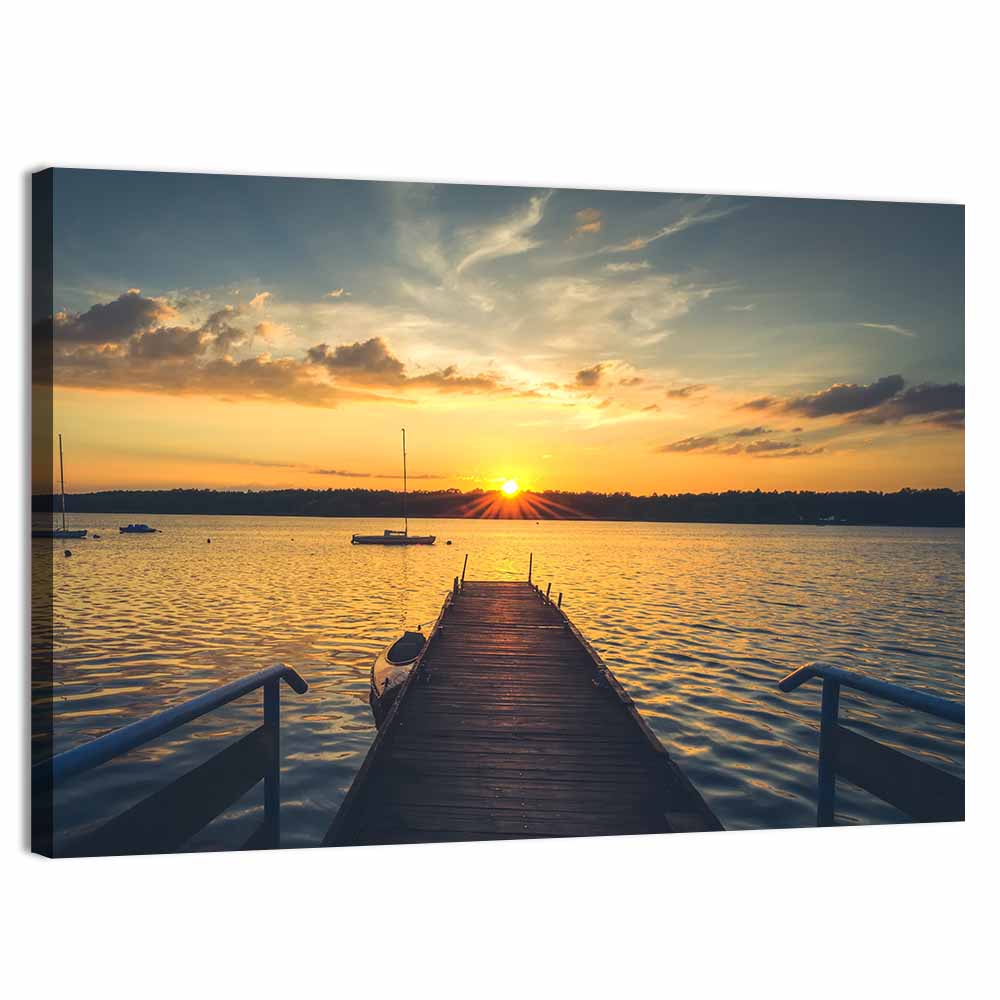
(510, 488)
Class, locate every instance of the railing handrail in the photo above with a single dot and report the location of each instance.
(933, 704)
(104, 748)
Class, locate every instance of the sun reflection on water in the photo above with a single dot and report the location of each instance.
(697, 621)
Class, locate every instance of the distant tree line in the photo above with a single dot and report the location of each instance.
(931, 508)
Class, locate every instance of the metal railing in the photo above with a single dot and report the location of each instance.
(831, 734)
(48, 773)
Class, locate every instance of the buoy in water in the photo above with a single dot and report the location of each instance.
(448, 542)
(209, 540)
(95, 536)
(67, 552)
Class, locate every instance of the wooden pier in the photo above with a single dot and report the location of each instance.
(510, 726)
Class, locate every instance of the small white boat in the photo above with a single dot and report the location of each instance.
(389, 672)
(393, 538)
(62, 532)
(396, 537)
(137, 529)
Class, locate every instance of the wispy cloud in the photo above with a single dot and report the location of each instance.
(697, 443)
(686, 391)
(890, 327)
(505, 238)
(715, 444)
(588, 222)
(750, 432)
(347, 474)
(696, 213)
(625, 266)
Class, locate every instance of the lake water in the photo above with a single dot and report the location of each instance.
(698, 622)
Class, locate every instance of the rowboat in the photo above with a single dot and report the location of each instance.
(62, 532)
(391, 668)
(396, 537)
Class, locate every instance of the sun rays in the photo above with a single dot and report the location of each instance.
(521, 504)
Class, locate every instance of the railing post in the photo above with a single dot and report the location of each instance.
(272, 778)
(559, 605)
(464, 564)
(547, 591)
(531, 558)
(827, 770)
(454, 587)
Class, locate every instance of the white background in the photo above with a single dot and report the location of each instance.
(894, 101)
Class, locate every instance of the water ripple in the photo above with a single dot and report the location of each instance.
(698, 622)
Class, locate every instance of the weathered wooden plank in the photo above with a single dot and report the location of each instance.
(510, 726)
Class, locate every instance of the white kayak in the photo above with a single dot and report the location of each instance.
(389, 672)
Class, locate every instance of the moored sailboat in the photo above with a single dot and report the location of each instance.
(63, 531)
(403, 537)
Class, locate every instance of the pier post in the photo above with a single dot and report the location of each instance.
(531, 559)
(547, 591)
(454, 588)
(272, 777)
(559, 605)
(827, 771)
(464, 564)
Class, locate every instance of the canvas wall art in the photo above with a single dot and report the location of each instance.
(371, 513)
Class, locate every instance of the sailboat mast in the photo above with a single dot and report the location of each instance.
(62, 484)
(406, 524)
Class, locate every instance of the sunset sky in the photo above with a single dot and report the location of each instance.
(247, 332)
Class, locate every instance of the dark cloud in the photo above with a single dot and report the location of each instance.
(168, 342)
(634, 380)
(744, 432)
(261, 378)
(883, 401)
(135, 342)
(844, 398)
(686, 391)
(225, 336)
(943, 405)
(587, 378)
(690, 444)
(795, 453)
(371, 362)
(761, 403)
(113, 322)
(757, 447)
(143, 328)
(368, 357)
(448, 380)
